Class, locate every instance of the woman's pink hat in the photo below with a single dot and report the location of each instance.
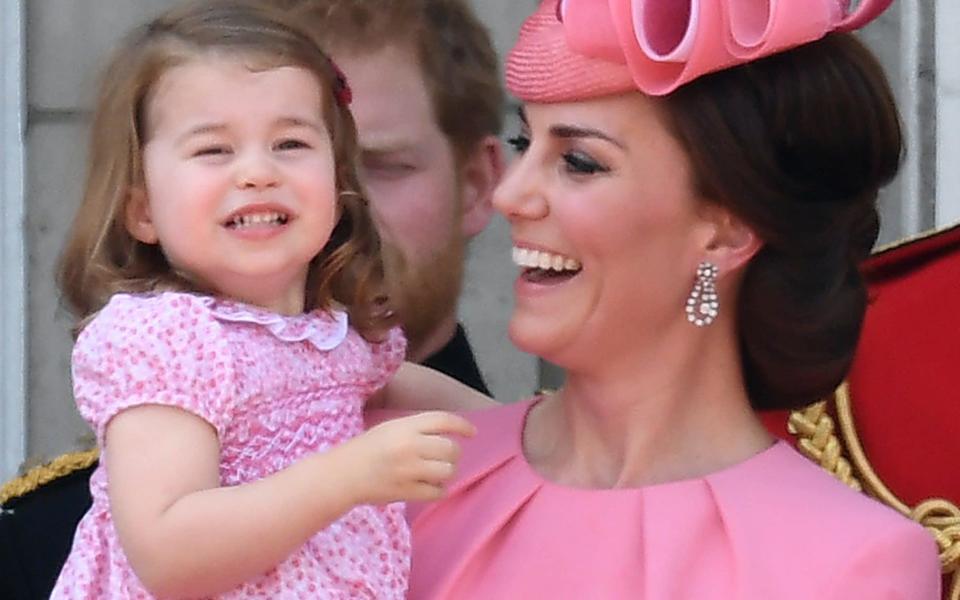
(577, 49)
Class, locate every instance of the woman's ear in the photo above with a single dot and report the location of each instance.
(137, 217)
(733, 243)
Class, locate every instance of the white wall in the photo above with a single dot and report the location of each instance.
(12, 306)
(948, 112)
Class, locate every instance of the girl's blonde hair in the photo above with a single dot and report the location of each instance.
(101, 258)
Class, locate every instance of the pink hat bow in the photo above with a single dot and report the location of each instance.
(666, 43)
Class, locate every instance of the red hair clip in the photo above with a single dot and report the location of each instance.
(341, 89)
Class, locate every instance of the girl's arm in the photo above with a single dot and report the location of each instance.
(415, 387)
(184, 535)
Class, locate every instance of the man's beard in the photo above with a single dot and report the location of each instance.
(426, 293)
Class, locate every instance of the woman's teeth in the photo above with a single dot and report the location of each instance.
(250, 220)
(539, 259)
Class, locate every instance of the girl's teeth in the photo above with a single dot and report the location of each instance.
(258, 219)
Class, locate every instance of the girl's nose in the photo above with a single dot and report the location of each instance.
(520, 194)
(256, 170)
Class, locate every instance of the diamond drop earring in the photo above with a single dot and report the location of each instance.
(703, 304)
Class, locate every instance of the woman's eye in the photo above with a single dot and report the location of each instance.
(291, 145)
(582, 164)
(519, 142)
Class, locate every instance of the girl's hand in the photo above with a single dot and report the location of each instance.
(410, 458)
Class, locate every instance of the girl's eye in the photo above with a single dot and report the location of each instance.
(519, 142)
(212, 151)
(291, 145)
(581, 164)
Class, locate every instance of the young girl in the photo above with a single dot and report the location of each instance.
(231, 294)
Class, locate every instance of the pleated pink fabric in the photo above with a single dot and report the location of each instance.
(772, 527)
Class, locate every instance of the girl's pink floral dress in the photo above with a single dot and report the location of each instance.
(275, 388)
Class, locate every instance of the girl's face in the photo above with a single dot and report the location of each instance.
(239, 178)
(602, 192)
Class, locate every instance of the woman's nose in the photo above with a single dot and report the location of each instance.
(256, 170)
(520, 194)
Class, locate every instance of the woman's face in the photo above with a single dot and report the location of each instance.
(601, 194)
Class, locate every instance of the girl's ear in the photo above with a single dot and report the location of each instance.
(137, 217)
(732, 243)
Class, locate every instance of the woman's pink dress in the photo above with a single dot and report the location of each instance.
(774, 527)
(276, 389)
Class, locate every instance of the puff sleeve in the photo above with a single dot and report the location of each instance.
(384, 358)
(162, 349)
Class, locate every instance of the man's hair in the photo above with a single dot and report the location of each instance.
(456, 55)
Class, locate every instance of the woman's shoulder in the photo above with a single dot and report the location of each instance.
(496, 443)
(505, 413)
(499, 432)
(498, 440)
(786, 483)
(822, 530)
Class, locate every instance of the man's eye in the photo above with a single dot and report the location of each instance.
(387, 169)
(519, 142)
(582, 164)
(291, 145)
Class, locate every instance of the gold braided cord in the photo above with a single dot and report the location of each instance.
(59, 467)
(814, 429)
(940, 517)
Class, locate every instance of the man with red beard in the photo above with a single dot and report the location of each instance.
(428, 104)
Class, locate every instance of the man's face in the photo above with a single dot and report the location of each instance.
(410, 174)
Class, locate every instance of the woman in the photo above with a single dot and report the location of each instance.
(689, 246)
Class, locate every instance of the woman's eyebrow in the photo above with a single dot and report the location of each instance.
(572, 131)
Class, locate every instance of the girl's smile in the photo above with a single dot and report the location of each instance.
(259, 221)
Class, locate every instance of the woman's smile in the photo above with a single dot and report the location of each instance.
(544, 267)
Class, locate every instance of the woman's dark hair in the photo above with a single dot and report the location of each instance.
(797, 145)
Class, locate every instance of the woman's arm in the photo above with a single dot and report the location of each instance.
(184, 535)
(415, 387)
